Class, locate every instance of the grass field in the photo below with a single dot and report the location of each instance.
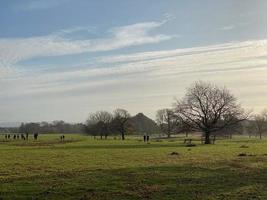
(83, 168)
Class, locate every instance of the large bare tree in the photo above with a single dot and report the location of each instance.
(120, 120)
(209, 108)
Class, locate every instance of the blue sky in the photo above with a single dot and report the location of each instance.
(62, 59)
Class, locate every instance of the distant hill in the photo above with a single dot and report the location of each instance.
(141, 124)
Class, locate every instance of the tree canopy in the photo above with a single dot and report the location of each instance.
(209, 108)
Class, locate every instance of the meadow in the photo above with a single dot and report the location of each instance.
(84, 168)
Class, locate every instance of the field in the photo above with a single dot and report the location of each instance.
(84, 168)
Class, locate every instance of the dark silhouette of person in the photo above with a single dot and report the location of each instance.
(62, 138)
(147, 138)
(35, 135)
(17, 136)
(8, 136)
(22, 136)
(14, 137)
(144, 138)
(27, 136)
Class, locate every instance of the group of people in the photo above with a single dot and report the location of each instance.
(62, 138)
(20, 136)
(26, 136)
(146, 138)
(35, 136)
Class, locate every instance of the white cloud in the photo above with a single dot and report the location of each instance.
(229, 57)
(13, 51)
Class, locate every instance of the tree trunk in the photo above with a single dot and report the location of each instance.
(260, 136)
(169, 130)
(186, 134)
(207, 137)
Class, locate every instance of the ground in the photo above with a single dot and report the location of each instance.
(84, 168)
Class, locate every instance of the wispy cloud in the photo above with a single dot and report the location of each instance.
(236, 25)
(228, 27)
(13, 51)
(232, 57)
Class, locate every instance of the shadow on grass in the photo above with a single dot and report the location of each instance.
(31, 146)
(122, 146)
(43, 143)
(165, 182)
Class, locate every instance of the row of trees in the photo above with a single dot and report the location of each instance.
(103, 123)
(205, 108)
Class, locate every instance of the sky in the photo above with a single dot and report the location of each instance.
(64, 59)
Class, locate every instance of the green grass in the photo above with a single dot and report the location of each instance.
(83, 168)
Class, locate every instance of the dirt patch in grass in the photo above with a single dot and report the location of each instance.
(190, 145)
(174, 154)
(244, 146)
(244, 154)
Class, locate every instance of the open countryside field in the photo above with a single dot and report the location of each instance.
(84, 168)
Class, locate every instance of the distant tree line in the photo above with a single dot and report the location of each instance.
(9, 129)
(205, 108)
(53, 127)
